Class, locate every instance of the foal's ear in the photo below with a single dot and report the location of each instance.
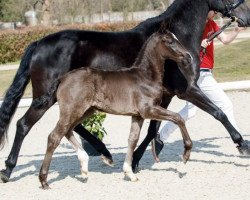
(166, 35)
(164, 38)
(163, 28)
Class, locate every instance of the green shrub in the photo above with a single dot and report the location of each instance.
(94, 124)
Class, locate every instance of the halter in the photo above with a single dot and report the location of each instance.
(230, 7)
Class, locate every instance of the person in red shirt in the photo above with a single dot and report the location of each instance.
(206, 82)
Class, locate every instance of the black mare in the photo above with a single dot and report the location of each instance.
(54, 55)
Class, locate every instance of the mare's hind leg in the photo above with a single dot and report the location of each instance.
(81, 154)
(159, 113)
(132, 142)
(22, 129)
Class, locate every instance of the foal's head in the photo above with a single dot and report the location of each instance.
(169, 47)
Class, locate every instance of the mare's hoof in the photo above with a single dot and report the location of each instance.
(244, 148)
(3, 177)
(107, 160)
(135, 166)
(107, 154)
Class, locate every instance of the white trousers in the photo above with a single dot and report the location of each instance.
(213, 91)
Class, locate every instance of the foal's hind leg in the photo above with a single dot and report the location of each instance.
(81, 154)
(69, 117)
(22, 129)
(96, 143)
(132, 142)
(54, 140)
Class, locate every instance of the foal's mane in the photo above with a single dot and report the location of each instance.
(143, 53)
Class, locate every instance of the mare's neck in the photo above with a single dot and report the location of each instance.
(188, 22)
(185, 18)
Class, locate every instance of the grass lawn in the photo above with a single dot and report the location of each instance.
(6, 78)
(231, 64)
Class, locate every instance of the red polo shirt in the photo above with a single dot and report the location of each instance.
(207, 61)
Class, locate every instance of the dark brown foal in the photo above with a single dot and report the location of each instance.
(136, 91)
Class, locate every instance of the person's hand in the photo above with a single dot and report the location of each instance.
(205, 43)
(238, 29)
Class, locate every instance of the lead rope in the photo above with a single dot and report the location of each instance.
(215, 34)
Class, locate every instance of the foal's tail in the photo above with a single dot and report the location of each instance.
(45, 99)
(15, 92)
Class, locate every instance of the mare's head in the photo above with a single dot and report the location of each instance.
(233, 8)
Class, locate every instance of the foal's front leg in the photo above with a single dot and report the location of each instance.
(132, 142)
(81, 154)
(159, 113)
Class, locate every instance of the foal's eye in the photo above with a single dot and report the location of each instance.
(170, 41)
(167, 40)
(164, 39)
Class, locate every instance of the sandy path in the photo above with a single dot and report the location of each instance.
(215, 171)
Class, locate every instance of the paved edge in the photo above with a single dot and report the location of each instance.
(227, 86)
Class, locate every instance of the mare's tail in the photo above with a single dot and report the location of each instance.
(15, 92)
(45, 99)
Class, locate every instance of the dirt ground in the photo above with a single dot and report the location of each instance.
(216, 169)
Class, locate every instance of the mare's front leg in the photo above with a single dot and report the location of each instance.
(132, 142)
(194, 95)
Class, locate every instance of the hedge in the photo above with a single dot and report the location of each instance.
(14, 42)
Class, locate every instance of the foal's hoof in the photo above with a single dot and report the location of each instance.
(130, 176)
(107, 161)
(45, 186)
(3, 177)
(84, 174)
(244, 148)
(186, 156)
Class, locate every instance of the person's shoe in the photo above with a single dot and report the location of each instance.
(157, 146)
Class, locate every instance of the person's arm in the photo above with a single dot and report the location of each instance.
(226, 38)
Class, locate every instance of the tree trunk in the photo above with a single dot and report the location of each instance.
(46, 17)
